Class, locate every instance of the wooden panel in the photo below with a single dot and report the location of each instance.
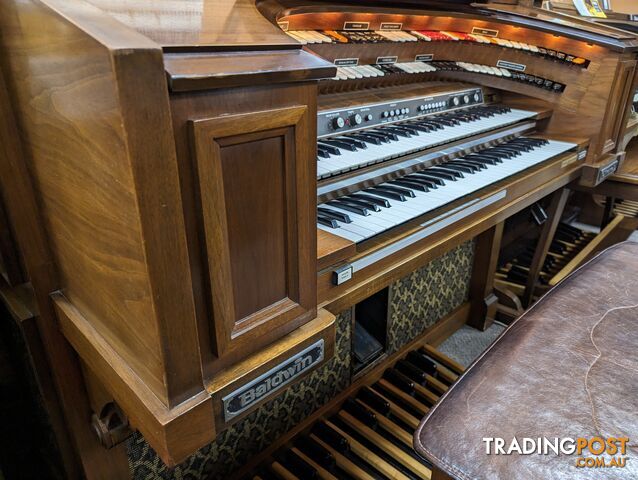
(97, 142)
(618, 105)
(202, 24)
(257, 204)
(217, 70)
(331, 249)
(252, 212)
(173, 433)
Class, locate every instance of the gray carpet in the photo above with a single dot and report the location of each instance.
(466, 344)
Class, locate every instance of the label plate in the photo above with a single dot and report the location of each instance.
(518, 67)
(391, 26)
(356, 26)
(386, 60)
(346, 62)
(273, 380)
(487, 32)
(424, 57)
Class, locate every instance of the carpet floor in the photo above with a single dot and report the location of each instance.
(467, 343)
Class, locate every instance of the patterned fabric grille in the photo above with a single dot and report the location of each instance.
(418, 300)
(236, 445)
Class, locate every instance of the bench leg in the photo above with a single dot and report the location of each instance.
(555, 213)
(440, 475)
(483, 301)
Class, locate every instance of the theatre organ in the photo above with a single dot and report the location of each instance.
(210, 183)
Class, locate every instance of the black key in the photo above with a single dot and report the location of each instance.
(342, 217)
(420, 128)
(328, 222)
(375, 200)
(316, 452)
(350, 207)
(379, 136)
(423, 181)
(439, 180)
(331, 437)
(329, 148)
(445, 173)
(367, 138)
(362, 203)
(470, 163)
(401, 132)
(353, 141)
(457, 168)
(340, 144)
(370, 398)
(486, 157)
(387, 194)
(361, 413)
(403, 191)
(409, 128)
(399, 380)
(412, 372)
(387, 133)
(404, 182)
(421, 361)
(298, 466)
(322, 152)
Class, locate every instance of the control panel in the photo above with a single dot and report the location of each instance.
(365, 116)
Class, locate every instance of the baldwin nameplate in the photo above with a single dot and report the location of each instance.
(273, 380)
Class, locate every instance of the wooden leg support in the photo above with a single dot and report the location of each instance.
(556, 207)
(483, 301)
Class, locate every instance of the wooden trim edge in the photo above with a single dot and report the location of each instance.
(174, 433)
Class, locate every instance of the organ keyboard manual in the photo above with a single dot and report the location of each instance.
(235, 233)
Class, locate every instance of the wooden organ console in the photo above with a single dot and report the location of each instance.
(215, 203)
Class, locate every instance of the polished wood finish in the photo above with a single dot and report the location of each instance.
(331, 249)
(102, 153)
(67, 403)
(482, 296)
(199, 25)
(174, 433)
(260, 102)
(218, 70)
(256, 180)
(168, 173)
(554, 214)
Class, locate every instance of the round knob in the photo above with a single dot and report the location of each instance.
(392, 113)
(421, 108)
(386, 114)
(338, 122)
(356, 119)
(466, 99)
(456, 101)
(477, 97)
(369, 117)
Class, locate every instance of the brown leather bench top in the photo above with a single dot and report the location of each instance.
(567, 368)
